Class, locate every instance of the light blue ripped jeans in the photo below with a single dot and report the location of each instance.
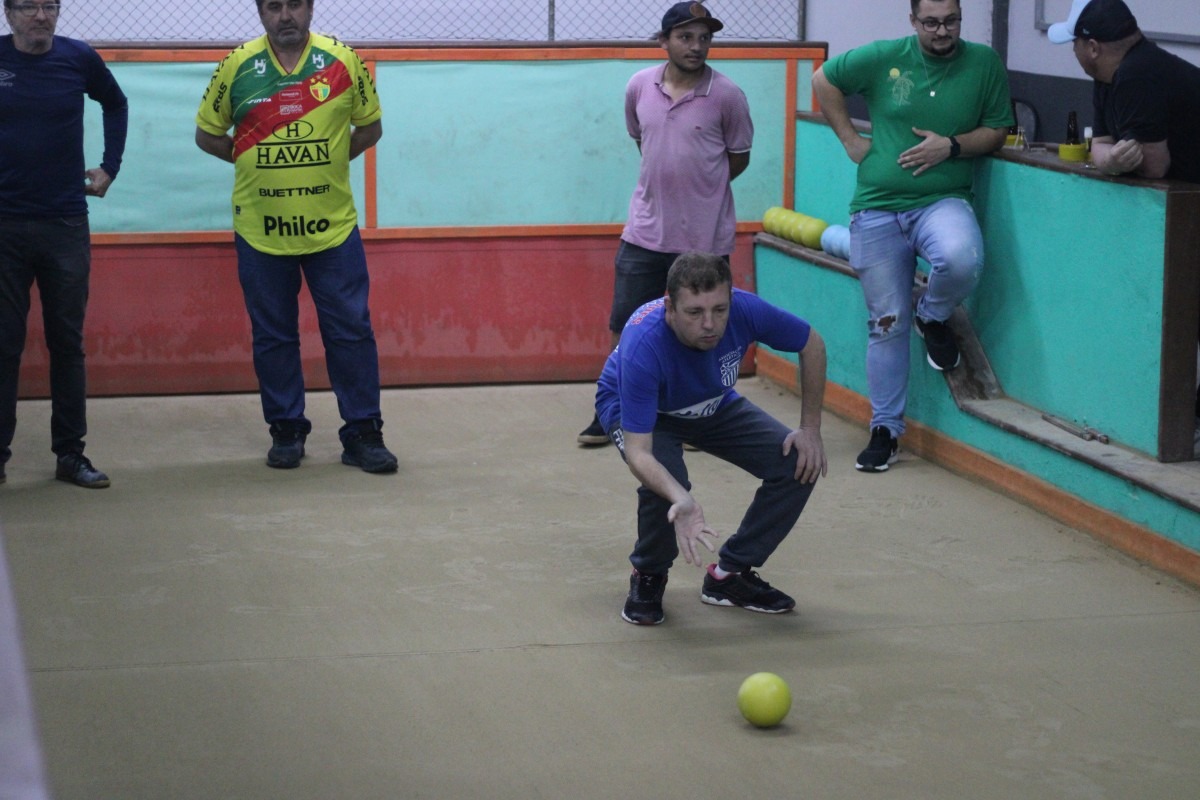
(884, 246)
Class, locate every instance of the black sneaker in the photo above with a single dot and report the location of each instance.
(364, 448)
(287, 445)
(593, 435)
(77, 469)
(744, 589)
(939, 341)
(881, 451)
(644, 604)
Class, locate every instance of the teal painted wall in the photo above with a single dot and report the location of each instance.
(166, 183)
(833, 304)
(1069, 309)
(1069, 312)
(465, 144)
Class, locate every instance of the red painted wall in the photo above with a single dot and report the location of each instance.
(169, 319)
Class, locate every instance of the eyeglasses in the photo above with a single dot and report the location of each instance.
(950, 23)
(31, 9)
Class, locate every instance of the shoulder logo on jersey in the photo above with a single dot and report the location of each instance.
(6, 77)
(318, 87)
(318, 60)
(260, 67)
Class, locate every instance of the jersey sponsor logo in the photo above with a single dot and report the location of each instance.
(705, 408)
(221, 90)
(730, 362)
(645, 311)
(318, 60)
(293, 129)
(298, 225)
(294, 191)
(286, 155)
(260, 67)
(292, 110)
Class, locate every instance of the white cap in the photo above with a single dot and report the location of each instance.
(1063, 32)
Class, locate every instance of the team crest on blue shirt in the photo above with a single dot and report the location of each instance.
(730, 362)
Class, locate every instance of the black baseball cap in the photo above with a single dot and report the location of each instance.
(683, 13)
(1102, 20)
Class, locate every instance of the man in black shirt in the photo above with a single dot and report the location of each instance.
(1146, 100)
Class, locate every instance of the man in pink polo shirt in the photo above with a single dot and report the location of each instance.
(692, 126)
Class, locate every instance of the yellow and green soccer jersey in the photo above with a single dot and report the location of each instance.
(291, 141)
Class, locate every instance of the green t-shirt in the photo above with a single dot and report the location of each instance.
(906, 89)
(291, 141)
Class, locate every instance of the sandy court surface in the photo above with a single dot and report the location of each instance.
(212, 628)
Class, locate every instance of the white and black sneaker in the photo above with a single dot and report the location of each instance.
(880, 453)
(746, 590)
(939, 342)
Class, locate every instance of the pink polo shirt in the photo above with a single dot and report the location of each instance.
(683, 200)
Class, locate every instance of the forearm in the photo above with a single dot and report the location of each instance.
(834, 108)
(981, 141)
(115, 122)
(364, 138)
(654, 476)
(812, 381)
(220, 146)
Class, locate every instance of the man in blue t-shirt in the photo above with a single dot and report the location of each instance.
(44, 237)
(670, 381)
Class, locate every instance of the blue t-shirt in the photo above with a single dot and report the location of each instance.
(651, 372)
(42, 162)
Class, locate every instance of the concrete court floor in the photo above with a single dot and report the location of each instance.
(211, 628)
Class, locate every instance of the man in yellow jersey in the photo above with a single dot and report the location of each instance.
(300, 107)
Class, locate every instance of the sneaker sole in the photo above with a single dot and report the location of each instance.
(588, 440)
(933, 364)
(647, 623)
(349, 461)
(726, 603)
(93, 485)
(880, 468)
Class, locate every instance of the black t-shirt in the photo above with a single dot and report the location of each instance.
(1155, 95)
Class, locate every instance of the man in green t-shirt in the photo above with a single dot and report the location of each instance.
(300, 106)
(934, 101)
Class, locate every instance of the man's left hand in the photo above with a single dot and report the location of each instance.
(97, 183)
(810, 454)
(928, 154)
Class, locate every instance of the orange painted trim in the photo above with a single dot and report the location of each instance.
(1132, 539)
(648, 51)
(370, 175)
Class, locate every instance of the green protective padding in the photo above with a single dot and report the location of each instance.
(166, 182)
(538, 142)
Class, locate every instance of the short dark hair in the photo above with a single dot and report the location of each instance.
(257, 3)
(698, 272)
(916, 3)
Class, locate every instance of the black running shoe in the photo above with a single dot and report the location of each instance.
(880, 453)
(363, 447)
(287, 445)
(644, 604)
(593, 435)
(77, 469)
(744, 589)
(939, 342)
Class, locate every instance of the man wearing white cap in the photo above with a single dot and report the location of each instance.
(1146, 100)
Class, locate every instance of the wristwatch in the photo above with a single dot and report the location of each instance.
(955, 147)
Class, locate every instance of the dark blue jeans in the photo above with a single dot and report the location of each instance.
(56, 254)
(338, 282)
(748, 437)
